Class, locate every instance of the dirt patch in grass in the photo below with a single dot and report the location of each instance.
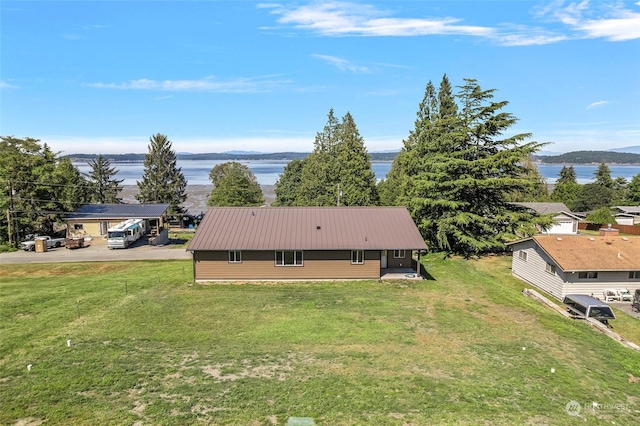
(62, 269)
(29, 421)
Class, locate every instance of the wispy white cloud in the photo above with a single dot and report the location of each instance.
(578, 20)
(208, 84)
(342, 18)
(585, 19)
(597, 104)
(342, 64)
(7, 85)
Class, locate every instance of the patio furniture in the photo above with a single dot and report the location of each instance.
(611, 295)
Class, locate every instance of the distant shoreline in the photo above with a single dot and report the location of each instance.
(197, 196)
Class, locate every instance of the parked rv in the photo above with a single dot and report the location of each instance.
(125, 233)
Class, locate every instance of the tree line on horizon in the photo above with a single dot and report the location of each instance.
(457, 174)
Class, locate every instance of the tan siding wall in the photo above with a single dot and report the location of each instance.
(404, 262)
(89, 227)
(260, 265)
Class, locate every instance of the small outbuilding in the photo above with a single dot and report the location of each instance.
(299, 243)
(565, 221)
(96, 219)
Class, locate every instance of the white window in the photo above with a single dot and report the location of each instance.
(587, 275)
(522, 255)
(634, 275)
(550, 268)
(357, 257)
(235, 256)
(399, 254)
(289, 258)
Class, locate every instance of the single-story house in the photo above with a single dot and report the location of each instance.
(298, 243)
(95, 219)
(578, 264)
(628, 215)
(566, 222)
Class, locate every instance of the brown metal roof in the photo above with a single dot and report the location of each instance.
(591, 253)
(307, 228)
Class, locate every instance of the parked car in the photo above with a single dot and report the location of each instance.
(625, 295)
(51, 242)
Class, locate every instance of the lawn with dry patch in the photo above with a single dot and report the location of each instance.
(150, 347)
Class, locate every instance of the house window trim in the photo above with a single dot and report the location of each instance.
(588, 275)
(295, 258)
(359, 257)
(522, 255)
(237, 256)
(404, 254)
(550, 269)
(78, 226)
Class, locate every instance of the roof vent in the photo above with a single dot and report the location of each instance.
(318, 227)
(625, 239)
(591, 239)
(558, 238)
(619, 255)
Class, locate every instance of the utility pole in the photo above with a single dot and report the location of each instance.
(339, 194)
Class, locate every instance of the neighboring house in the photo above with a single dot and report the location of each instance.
(566, 222)
(628, 215)
(578, 264)
(297, 243)
(95, 219)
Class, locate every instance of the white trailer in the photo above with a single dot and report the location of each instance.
(125, 233)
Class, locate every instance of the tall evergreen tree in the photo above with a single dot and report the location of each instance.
(319, 178)
(458, 196)
(162, 180)
(38, 187)
(356, 178)
(603, 176)
(566, 188)
(633, 196)
(599, 193)
(288, 184)
(104, 188)
(234, 185)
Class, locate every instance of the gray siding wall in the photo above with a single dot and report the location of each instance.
(533, 269)
(605, 280)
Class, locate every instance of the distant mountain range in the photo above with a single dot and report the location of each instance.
(630, 149)
(591, 157)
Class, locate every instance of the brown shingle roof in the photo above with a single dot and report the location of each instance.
(296, 228)
(596, 253)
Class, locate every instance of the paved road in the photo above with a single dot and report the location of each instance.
(97, 250)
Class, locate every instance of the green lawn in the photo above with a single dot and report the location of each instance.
(149, 346)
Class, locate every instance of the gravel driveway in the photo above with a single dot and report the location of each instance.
(96, 250)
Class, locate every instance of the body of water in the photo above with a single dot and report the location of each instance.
(267, 172)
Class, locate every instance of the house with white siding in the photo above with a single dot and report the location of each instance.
(628, 215)
(578, 264)
(565, 222)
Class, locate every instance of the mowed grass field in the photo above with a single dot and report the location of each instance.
(148, 346)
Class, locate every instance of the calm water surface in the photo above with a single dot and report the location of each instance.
(267, 172)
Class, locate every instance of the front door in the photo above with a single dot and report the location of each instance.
(383, 259)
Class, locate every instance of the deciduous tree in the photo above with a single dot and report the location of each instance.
(234, 185)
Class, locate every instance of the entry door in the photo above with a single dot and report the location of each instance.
(383, 259)
(103, 228)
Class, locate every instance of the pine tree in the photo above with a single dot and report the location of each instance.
(633, 196)
(162, 180)
(458, 195)
(104, 188)
(234, 185)
(603, 176)
(356, 179)
(319, 178)
(288, 184)
(566, 189)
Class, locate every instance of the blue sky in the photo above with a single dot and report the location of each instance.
(103, 76)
